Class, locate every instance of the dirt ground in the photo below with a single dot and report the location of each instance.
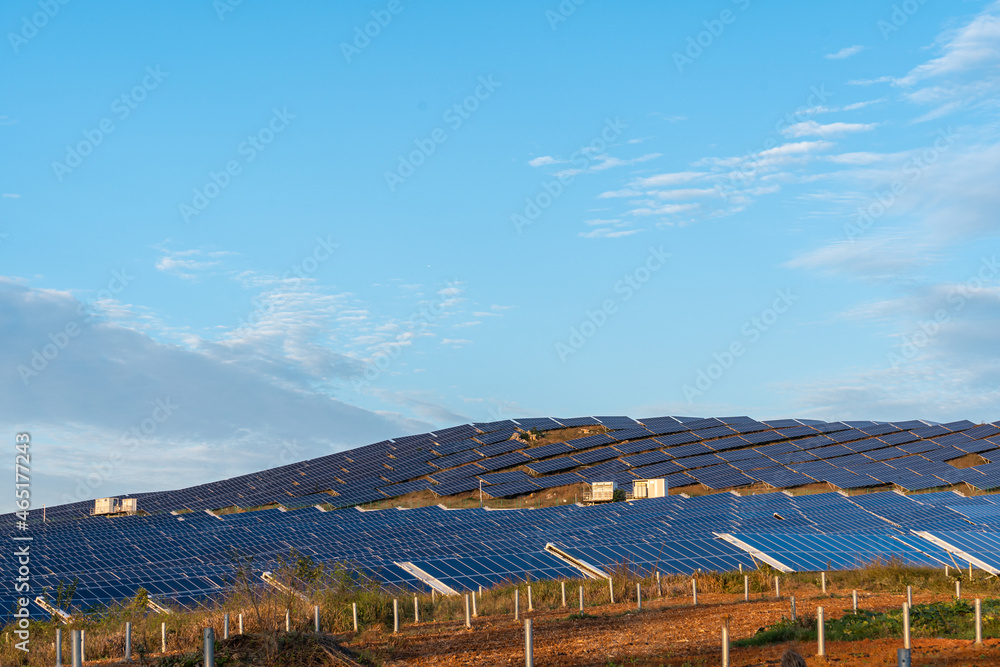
(665, 632)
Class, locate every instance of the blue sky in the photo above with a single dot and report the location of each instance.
(234, 236)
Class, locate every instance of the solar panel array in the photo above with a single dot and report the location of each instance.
(183, 557)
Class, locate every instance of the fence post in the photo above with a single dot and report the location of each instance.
(777, 588)
(855, 601)
(529, 644)
(316, 617)
(530, 606)
(906, 625)
(581, 599)
(209, 647)
(416, 610)
(564, 593)
(746, 588)
(725, 643)
(468, 617)
(128, 641)
(395, 615)
(611, 589)
(75, 648)
(354, 606)
(909, 595)
(163, 637)
(58, 647)
(694, 592)
(821, 629)
(822, 576)
(638, 595)
(517, 604)
(793, 607)
(979, 623)
(225, 626)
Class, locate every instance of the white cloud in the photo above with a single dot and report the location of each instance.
(11, 195)
(543, 161)
(974, 46)
(608, 233)
(811, 128)
(845, 52)
(187, 264)
(661, 180)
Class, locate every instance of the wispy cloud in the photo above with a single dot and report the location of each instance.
(845, 52)
(811, 128)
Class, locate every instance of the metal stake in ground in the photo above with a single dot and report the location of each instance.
(564, 593)
(793, 607)
(58, 647)
(475, 613)
(241, 623)
(822, 578)
(638, 595)
(746, 588)
(903, 657)
(979, 623)
(288, 621)
(694, 592)
(209, 647)
(416, 610)
(909, 595)
(468, 616)
(529, 644)
(855, 595)
(611, 589)
(395, 615)
(958, 589)
(906, 626)
(128, 641)
(316, 617)
(581, 599)
(517, 605)
(354, 605)
(821, 631)
(83, 646)
(530, 606)
(163, 637)
(225, 626)
(659, 589)
(725, 643)
(74, 639)
(777, 588)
